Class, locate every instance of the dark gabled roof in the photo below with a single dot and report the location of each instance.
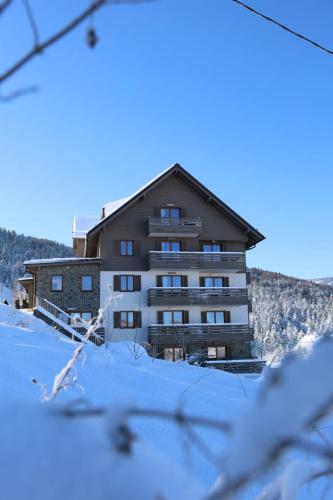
(254, 236)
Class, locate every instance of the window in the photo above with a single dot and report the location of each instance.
(172, 317)
(56, 283)
(86, 316)
(212, 317)
(211, 247)
(170, 213)
(127, 319)
(216, 352)
(126, 283)
(214, 281)
(215, 317)
(86, 283)
(126, 247)
(171, 281)
(170, 246)
(173, 354)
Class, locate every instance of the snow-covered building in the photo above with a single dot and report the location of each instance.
(172, 259)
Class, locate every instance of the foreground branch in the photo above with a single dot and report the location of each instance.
(4, 5)
(39, 48)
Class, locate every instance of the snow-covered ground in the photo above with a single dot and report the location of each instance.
(108, 434)
(6, 294)
(45, 455)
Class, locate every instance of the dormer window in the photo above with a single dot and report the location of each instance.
(170, 213)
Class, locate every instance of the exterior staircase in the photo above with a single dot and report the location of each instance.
(64, 323)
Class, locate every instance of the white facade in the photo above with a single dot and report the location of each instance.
(137, 301)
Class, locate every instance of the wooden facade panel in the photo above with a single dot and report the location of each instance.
(132, 224)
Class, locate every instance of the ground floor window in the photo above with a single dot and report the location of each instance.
(173, 354)
(85, 315)
(216, 352)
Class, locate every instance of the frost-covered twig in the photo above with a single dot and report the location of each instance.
(298, 395)
(60, 380)
(177, 417)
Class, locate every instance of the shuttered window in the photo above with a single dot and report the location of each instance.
(170, 212)
(171, 280)
(172, 317)
(127, 319)
(126, 247)
(214, 281)
(127, 283)
(212, 317)
(170, 246)
(210, 246)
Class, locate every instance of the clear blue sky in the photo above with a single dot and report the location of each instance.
(241, 104)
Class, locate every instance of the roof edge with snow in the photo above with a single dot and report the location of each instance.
(65, 260)
(254, 235)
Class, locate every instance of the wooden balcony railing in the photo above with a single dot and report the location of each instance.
(165, 226)
(197, 296)
(198, 332)
(231, 261)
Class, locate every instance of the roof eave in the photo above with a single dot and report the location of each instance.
(178, 168)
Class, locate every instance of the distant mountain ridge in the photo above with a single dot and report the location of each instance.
(16, 248)
(285, 309)
(324, 281)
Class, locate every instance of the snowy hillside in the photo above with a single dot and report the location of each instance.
(287, 311)
(324, 281)
(126, 426)
(16, 248)
(165, 459)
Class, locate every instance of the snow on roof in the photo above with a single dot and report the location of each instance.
(82, 224)
(57, 260)
(112, 206)
(27, 276)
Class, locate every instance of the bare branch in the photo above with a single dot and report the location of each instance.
(41, 47)
(32, 22)
(4, 5)
(19, 93)
(177, 417)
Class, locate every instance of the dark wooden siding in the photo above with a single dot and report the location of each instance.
(132, 224)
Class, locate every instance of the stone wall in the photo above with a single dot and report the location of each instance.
(72, 297)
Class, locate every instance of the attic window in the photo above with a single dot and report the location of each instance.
(170, 213)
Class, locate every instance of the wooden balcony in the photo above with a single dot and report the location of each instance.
(159, 296)
(174, 335)
(210, 261)
(164, 226)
